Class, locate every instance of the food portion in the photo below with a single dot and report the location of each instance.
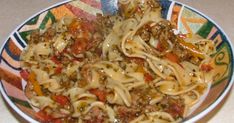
(131, 67)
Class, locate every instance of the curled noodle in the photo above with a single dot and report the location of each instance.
(127, 68)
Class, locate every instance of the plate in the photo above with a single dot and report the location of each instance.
(186, 18)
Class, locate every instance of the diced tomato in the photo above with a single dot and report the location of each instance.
(62, 100)
(99, 93)
(73, 27)
(83, 31)
(206, 67)
(82, 27)
(79, 46)
(87, 26)
(43, 117)
(148, 77)
(24, 74)
(57, 121)
(159, 47)
(55, 60)
(172, 57)
(58, 69)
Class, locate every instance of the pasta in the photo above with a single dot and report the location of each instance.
(127, 68)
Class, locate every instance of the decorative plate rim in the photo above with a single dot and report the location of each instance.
(231, 80)
(193, 119)
(2, 90)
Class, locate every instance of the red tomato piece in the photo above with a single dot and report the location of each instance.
(24, 74)
(159, 47)
(58, 69)
(79, 46)
(43, 116)
(57, 121)
(148, 77)
(206, 67)
(99, 93)
(87, 26)
(81, 27)
(55, 60)
(62, 100)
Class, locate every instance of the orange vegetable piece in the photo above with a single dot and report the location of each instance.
(206, 67)
(172, 57)
(36, 86)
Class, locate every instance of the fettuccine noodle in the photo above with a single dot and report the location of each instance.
(125, 68)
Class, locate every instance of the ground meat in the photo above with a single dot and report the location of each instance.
(85, 72)
(49, 34)
(142, 96)
(103, 24)
(95, 41)
(181, 53)
(145, 32)
(136, 60)
(175, 107)
(164, 33)
(126, 114)
(137, 8)
(34, 37)
(86, 36)
(96, 116)
(140, 105)
(98, 51)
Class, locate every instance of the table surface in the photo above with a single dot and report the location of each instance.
(14, 12)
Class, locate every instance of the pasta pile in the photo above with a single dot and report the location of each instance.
(131, 67)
